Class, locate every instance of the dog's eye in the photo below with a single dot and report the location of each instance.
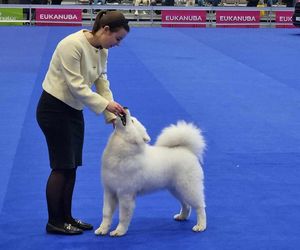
(132, 121)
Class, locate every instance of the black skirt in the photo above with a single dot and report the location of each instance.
(63, 127)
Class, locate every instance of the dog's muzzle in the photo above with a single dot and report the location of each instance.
(123, 117)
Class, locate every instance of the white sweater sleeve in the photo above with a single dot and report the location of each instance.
(70, 59)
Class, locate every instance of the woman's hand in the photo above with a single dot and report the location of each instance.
(115, 108)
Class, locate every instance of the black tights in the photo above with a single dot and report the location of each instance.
(59, 192)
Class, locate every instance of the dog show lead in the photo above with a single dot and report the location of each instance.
(78, 62)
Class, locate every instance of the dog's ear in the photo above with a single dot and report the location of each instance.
(141, 130)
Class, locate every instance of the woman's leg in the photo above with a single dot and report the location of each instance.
(55, 197)
(70, 177)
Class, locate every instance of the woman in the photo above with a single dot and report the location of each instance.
(78, 62)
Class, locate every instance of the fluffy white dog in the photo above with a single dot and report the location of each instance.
(131, 167)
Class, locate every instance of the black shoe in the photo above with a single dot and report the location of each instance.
(82, 225)
(67, 229)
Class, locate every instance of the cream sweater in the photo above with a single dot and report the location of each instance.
(75, 66)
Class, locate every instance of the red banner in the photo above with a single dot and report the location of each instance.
(52, 17)
(183, 18)
(238, 19)
(285, 18)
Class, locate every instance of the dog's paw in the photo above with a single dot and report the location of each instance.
(101, 230)
(117, 233)
(199, 228)
(180, 217)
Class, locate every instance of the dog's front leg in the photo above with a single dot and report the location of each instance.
(126, 207)
(109, 206)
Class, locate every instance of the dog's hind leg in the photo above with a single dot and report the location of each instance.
(109, 206)
(184, 212)
(126, 207)
(191, 198)
(196, 200)
(185, 208)
(201, 220)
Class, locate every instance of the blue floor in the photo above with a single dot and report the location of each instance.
(241, 86)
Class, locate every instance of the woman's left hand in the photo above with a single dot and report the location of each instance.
(115, 108)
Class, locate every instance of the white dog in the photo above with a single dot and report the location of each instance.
(131, 167)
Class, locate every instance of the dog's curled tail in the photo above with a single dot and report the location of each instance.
(184, 135)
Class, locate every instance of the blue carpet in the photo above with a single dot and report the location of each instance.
(241, 86)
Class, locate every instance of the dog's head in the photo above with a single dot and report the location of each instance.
(131, 129)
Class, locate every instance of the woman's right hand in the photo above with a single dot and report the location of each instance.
(115, 108)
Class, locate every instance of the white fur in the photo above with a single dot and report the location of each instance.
(131, 167)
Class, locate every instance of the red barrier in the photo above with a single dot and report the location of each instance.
(242, 19)
(50, 17)
(284, 17)
(183, 18)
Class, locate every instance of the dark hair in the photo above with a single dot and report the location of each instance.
(115, 20)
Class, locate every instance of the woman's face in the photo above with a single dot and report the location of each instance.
(110, 39)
